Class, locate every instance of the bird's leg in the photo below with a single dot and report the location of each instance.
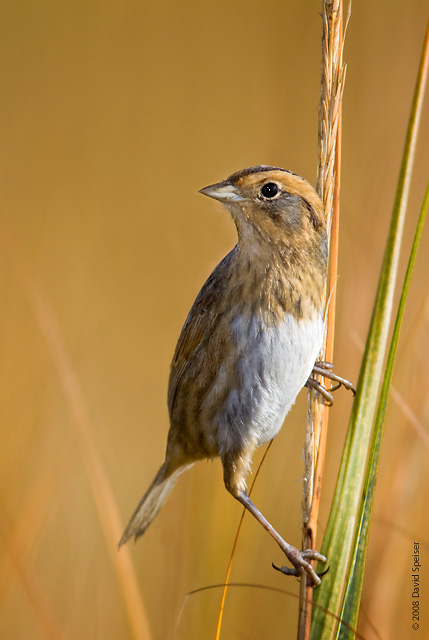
(298, 559)
(235, 467)
(325, 369)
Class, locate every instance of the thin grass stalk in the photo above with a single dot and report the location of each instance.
(310, 527)
(340, 532)
(104, 499)
(328, 187)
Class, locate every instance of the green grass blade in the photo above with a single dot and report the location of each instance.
(354, 588)
(340, 532)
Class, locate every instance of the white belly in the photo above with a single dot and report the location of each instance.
(274, 364)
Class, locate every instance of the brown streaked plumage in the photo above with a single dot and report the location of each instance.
(250, 340)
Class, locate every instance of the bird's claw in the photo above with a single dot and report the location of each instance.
(325, 369)
(287, 571)
(323, 573)
(300, 564)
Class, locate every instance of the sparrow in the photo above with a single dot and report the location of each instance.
(249, 343)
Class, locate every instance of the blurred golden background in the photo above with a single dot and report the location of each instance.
(114, 113)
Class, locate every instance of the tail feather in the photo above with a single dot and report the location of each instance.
(151, 502)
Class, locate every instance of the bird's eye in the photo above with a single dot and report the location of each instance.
(269, 190)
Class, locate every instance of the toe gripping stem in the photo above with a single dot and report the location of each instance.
(289, 571)
(325, 369)
(301, 564)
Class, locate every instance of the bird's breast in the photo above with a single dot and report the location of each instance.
(261, 375)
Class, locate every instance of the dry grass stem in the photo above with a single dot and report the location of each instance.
(328, 187)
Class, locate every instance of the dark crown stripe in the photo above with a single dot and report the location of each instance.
(258, 169)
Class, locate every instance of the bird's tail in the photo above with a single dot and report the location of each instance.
(151, 502)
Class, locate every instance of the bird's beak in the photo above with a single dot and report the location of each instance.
(223, 191)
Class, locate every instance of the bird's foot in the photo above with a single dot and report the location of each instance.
(299, 560)
(325, 369)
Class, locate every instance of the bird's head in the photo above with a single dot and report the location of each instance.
(269, 203)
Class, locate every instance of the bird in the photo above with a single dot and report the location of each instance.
(250, 342)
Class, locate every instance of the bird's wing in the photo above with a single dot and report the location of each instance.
(199, 325)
